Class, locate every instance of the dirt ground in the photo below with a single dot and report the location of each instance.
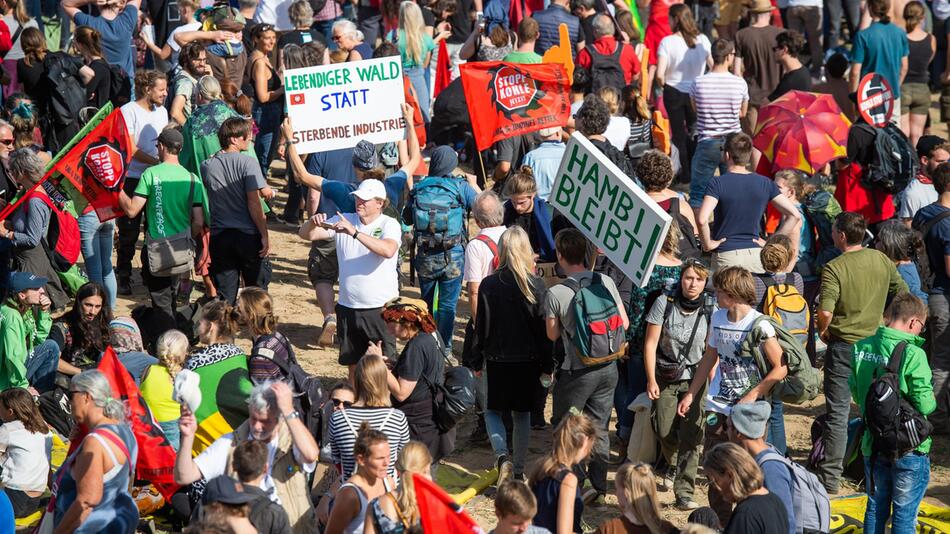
(300, 321)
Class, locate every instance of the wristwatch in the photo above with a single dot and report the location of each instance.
(355, 233)
(292, 415)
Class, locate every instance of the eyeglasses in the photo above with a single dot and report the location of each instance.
(340, 402)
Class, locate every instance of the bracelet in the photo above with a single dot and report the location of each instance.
(292, 415)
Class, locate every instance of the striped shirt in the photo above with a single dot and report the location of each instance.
(718, 97)
(345, 424)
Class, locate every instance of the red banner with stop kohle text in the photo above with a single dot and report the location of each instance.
(509, 99)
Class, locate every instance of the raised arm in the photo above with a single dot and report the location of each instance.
(296, 163)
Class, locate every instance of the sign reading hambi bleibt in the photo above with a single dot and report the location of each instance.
(608, 207)
(335, 106)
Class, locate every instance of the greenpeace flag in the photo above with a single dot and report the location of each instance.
(439, 512)
(509, 99)
(156, 460)
(95, 166)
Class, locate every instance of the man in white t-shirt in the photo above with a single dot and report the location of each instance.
(275, 13)
(737, 379)
(367, 244)
(291, 451)
(720, 99)
(145, 118)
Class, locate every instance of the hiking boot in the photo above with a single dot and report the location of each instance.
(124, 285)
(329, 330)
(505, 470)
(686, 504)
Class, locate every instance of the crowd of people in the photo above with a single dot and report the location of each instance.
(772, 281)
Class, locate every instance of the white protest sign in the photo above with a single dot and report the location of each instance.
(610, 209)
(335, 106)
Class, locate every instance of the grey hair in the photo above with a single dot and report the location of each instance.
(262, 398)
(209, 87)
(97, 386)
(602, 25)
(492, 214)
(348, 27)
(24, 162)
(5, 124)
(301, 13)
(247, 4)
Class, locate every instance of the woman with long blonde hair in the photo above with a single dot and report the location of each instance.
(510, 341)
(396, 512)
(158, 381)
(636, 493)
(415, 47)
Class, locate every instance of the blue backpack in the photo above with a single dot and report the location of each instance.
(436, 210)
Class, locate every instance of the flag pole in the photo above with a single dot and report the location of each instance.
(50, 167)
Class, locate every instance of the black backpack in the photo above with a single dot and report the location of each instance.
(454, 397)
(688, 246)
(605, 71)
(308, 391)
(120, 86)
(894, 161)
(66, 92)
(896, 426)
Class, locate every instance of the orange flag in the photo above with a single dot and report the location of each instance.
(438, 512)
(562, 53)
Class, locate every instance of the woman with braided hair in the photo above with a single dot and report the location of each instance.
(415, 373)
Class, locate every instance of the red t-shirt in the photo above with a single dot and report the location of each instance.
(875, 206)
(607, 46)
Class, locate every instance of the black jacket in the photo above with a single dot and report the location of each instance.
(508, 328)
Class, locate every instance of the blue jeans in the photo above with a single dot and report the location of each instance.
(136, 363)
(442, 270)
(97, 239)
(631, 381)
(41, 365)
(521, 435)
(706, 159)
(172, 432)
(267, 117)
(776, 429)
(900, 484)
(417, 75)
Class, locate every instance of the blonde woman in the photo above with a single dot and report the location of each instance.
(396, 512)
(510, 341)
(739, 480)
(415, 47)
(618, 129)
(640, 509)
(372, 406)
(158, 381)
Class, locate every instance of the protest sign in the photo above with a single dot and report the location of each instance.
(335, 106)
(608, 207)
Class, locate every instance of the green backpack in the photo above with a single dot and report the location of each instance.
(598, 336)
(803, 382)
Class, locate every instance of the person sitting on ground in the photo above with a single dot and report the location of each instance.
(126, 339)
(158, 381)
(349, 512)
(739, 480)
(636, 494)
(27, 357)
(226, 499)
(396, 512)
(274, 421)
(25, 448)
(251, 465)
(515, 507)
(83, 333)
(256, 310)
(553, 481)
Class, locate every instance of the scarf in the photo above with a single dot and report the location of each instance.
(688, 305)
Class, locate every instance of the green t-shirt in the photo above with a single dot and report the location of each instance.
(428, 45)
(854, 288)
(528, 58)
(166, 187)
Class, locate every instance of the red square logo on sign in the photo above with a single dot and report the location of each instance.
(296, 99)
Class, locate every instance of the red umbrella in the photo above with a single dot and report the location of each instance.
(802, 131)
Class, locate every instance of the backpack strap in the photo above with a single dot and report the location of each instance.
(929, 225)
(494, 248)
(897, 358)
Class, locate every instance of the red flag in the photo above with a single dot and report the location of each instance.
(95, 167)
(509, 99)
(156, 459)
(439, 512)
(443, 70)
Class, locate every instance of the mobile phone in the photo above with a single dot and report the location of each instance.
(480, 20)
(327, 225)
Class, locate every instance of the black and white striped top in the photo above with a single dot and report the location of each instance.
(344, 425)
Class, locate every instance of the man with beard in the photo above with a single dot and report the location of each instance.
(920, 191)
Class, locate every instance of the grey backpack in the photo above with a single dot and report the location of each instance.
(812, 506)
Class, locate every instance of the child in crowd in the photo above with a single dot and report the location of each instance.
(158, 383)
(636, 492)
(552, 480)
(250, 464)
(25, 446)
(515, 506)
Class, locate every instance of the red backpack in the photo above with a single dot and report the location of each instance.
(62, 236)
(491, 246)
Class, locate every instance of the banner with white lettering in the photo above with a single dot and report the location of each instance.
(620, 219)
(335, 106)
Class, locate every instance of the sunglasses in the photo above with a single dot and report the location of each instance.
(339, 402)
(694, 262)
(7, 142)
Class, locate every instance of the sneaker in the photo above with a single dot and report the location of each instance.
(505, 469)
(686, 504)
(329, 330)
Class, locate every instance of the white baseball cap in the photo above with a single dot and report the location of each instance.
(370, 189)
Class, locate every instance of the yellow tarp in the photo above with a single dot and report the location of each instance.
(847, 516)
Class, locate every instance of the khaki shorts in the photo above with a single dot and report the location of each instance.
(748, 258)
(915, 98)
